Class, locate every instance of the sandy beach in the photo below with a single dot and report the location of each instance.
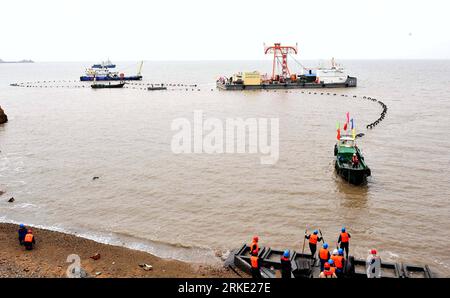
(48, 259)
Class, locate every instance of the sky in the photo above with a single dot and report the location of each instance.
(94, 30)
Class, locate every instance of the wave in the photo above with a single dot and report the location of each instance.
(175, 251)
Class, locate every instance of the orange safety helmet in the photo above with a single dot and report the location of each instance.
(255, 238)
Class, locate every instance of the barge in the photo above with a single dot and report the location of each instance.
(282, 77)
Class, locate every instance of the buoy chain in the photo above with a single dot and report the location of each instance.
(189, 87)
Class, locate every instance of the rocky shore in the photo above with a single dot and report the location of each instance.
(98, 260)
(3, 117)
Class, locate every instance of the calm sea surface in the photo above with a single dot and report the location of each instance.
(191, 206)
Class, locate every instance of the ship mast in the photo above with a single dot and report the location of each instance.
(280, 54)
(140, 68)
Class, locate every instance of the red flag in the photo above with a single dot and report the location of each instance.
(338, 134)
(345, 126)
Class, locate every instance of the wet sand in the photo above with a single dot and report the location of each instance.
(48, 259)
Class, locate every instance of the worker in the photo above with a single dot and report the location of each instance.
(324, 255)
(333, 256)
(254, 245)
(344, 239)
(373, 265)
(327, 273)
(355, 160)
(339, 260)
(22, 232)
(29, 240)
(313, 239)
(332, 266)
(286, 266)
(255, 265)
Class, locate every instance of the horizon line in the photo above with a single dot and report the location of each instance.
(23, 61)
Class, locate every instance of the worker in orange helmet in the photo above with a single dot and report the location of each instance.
(327, 272)
(29, 240)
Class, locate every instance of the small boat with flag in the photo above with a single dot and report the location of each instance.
(349, 161)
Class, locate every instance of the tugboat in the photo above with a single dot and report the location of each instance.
(345, 150)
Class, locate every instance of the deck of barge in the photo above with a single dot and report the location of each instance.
(350, 82)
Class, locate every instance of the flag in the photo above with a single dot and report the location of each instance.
(354, 133)
(353, 126)
(345, 126)
(338, 129)
(348, 117)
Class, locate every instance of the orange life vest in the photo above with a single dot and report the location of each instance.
(254, 261)
(333, 257)
(313, 239)
(333, 269)
(344, 237)
(339, 261)
(328, 273)
(254, 246)
(28, 238)
(323, 254)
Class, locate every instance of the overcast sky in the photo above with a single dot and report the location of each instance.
(80, 30)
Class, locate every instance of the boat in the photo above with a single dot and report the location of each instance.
(343, 152)
(104, 64)
(305, 266)
(106, 74)
(107, 86)
(323, 77)
(153, 88)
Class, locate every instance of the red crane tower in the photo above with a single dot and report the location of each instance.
(280, 55)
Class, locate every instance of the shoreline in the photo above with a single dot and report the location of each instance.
(48, 258)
